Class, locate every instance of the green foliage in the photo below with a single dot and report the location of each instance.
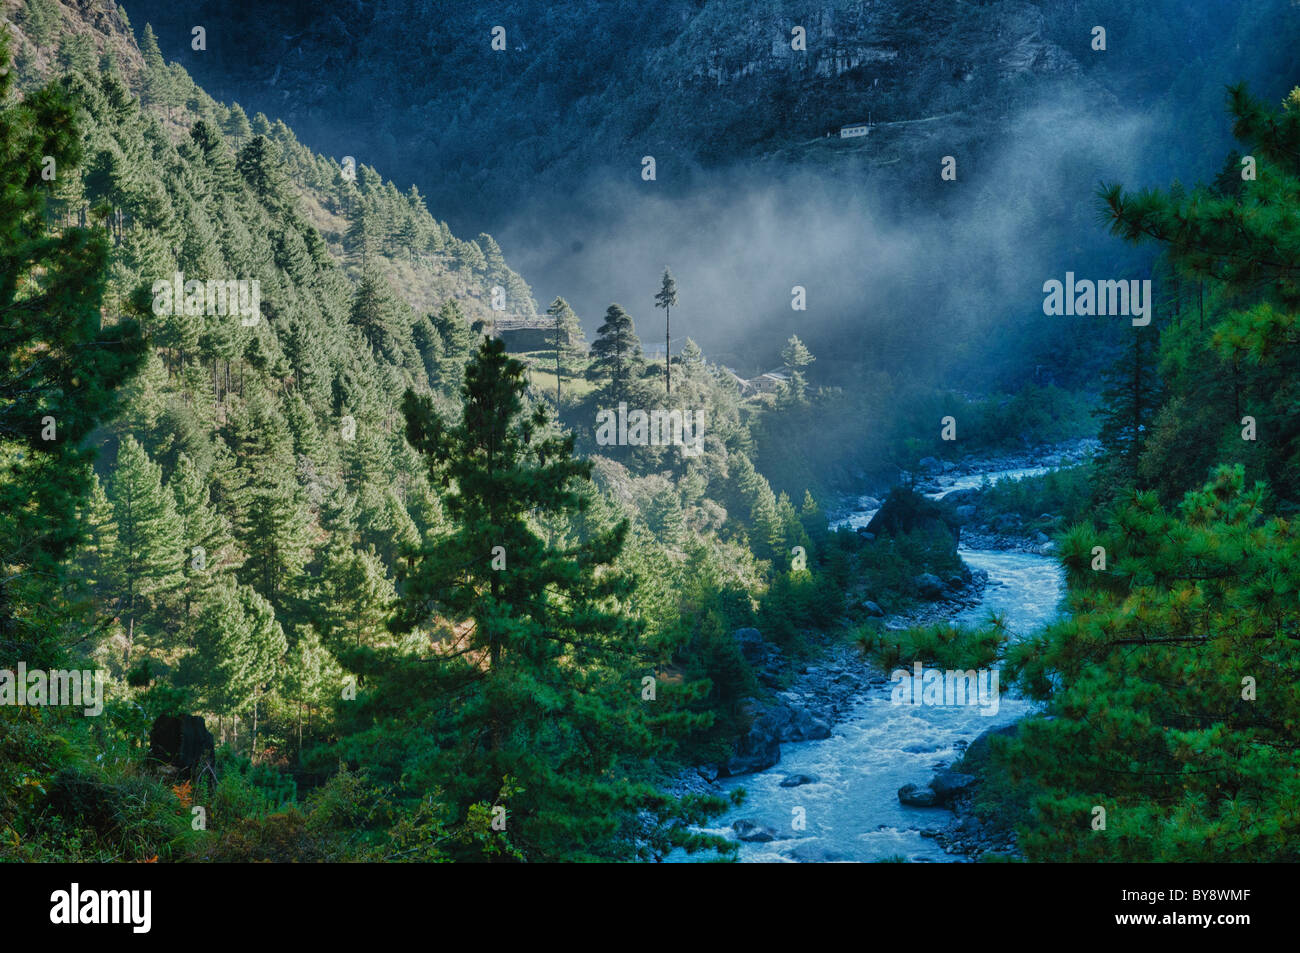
(666, 298)
(1236, 239)
(274, 448)
(146, 560)
(1066, 495)
(798, 601)
(38, 19)
(59, 364)
(1127, 410)
(795, 354)
(570, 347)
(616, 355)
(1172, 688)
(543, 635)
(942, 645)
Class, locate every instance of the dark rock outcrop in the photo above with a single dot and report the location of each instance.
(946, 785)
(752, 832)
(798, 780)
(929, 585)
(760, 747)
(183, 744)
(913, 795)
(977, 753)
(805, 726)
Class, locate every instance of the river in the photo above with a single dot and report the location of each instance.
(852, 811)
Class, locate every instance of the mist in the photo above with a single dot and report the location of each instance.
(886, 255)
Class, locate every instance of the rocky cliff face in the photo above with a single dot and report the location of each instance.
(589, 87)
(885, 39)
(101, 21)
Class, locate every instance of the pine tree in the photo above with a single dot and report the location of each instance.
(616, 353)
(547, 699)
(494, 266)
(470, 257)
(666, 298)
(568, 338)
(1127, 409)
(364, 233)
(375, 312)
(795, 354)
(93, 561)
(59, 363)
(358, 595)
(237, 127)
(796, 357)
(665, 517)
(217, 158)
(1170, 689)
(147, 558)
(262, 167)
(1238, 241)
(457, 347)
(273, 521)
(207, 541)
(312, 676)
(239, 650)
(77, 53)
(39, 19)
(756, 498)
(158, 90)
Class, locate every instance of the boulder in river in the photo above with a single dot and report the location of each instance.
(754, 752)
(752, 832)
(968, 497)
(946, 785)
(812, 854)
(913, 795)
(977, 753)
(760, 747)
(797, 780)
(1007, 522)
(805, 726)
(922, 747)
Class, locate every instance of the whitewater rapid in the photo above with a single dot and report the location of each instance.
(852, 812)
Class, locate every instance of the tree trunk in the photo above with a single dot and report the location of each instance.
(668, 351)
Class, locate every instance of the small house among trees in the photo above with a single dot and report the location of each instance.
(525, 334)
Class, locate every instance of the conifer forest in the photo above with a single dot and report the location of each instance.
(702, 431)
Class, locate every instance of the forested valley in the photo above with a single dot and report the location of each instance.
(375, 561)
